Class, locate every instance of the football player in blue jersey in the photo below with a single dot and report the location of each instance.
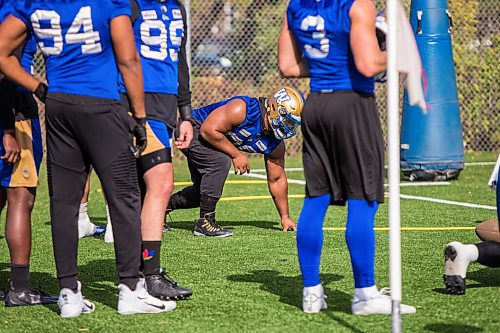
(160, 29)
(334, 43)
(21, 154)
(85, 43)
(224, 132)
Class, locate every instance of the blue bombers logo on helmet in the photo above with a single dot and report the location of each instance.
(284, 112)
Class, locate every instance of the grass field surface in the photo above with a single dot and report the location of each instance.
(251, 282)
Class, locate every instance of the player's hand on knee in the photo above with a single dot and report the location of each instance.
(11, 147)
(140, 136)
(240, 163)
(185, 135)
(287, 224)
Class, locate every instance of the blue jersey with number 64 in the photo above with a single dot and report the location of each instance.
(158, 31)
(74, 36)
(321, 29)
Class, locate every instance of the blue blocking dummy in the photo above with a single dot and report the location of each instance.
(431, 143)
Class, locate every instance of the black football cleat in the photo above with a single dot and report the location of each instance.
(209, 228)
(166, 227)
(455, 283)
(2, 294)
(29, 296)
(163, 287)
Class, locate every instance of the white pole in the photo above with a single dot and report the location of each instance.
(393, 145)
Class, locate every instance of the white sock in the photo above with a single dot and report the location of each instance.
(466, 253)
(364, 294)
(108, 236)
(472, 252)
(83, 208)
(108, 217)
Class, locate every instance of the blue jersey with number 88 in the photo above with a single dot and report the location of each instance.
(321, 29)
(74, 36)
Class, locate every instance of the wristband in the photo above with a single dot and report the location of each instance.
(186, 114)
(41, 92)
(141, 121)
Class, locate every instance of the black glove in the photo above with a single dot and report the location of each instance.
(41, 92)
(140, 136)
(186, 114)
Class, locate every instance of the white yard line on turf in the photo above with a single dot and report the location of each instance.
(302, 169)
(302, 182)
(446, 202)
(403, 196)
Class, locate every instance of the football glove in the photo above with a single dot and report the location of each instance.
(381, 31)
(140, 136)
(41, 92)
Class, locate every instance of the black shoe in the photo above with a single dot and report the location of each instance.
(208, 227)
(2, 294)
(166, 227)
(162, 287)
(29, 296)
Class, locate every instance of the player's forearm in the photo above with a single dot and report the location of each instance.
(219, 141)
(10, 67)
(278, 188)
(132, 77)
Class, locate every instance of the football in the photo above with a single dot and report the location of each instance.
(488, 230)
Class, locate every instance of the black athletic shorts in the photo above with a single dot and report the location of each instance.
(343, 151)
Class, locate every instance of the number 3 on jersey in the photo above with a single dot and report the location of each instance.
(318, 33)
(82, 22)
(150, 23)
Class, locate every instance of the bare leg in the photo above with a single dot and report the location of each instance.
(159, 186)
(18, 226)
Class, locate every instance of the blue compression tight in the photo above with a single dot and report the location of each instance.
(360, 239)
(310, 237)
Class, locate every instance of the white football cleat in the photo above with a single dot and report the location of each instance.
(73, 304)
(313, 299)
(140, 301)
(380, 303)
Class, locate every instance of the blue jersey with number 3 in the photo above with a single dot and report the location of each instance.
(321, 29)
(158, 31)
(247, 136)
(74, 36)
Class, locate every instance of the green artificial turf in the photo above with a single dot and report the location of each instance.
(251, 282)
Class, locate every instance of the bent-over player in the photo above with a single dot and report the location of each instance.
(225, 131)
